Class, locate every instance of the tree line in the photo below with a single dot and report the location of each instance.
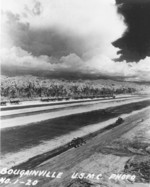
(29, 89)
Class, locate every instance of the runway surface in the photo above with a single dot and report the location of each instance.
(27, 133)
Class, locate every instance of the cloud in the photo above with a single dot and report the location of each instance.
(16, 61)
(64, 28)
(65, 38)
(26, 62)
(35, 10)
(141, 70)
(13, 29)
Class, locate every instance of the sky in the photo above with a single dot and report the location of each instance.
(76, 39)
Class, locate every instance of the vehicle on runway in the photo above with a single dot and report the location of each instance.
(45, 99)
(15, 101)
(76, 142)
(3, 103)
(119, 121)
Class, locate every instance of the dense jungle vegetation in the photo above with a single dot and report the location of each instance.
(30, 87)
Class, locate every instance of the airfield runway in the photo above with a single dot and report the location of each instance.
(27, 132)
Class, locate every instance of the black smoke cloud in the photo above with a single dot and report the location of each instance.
(135, 44)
